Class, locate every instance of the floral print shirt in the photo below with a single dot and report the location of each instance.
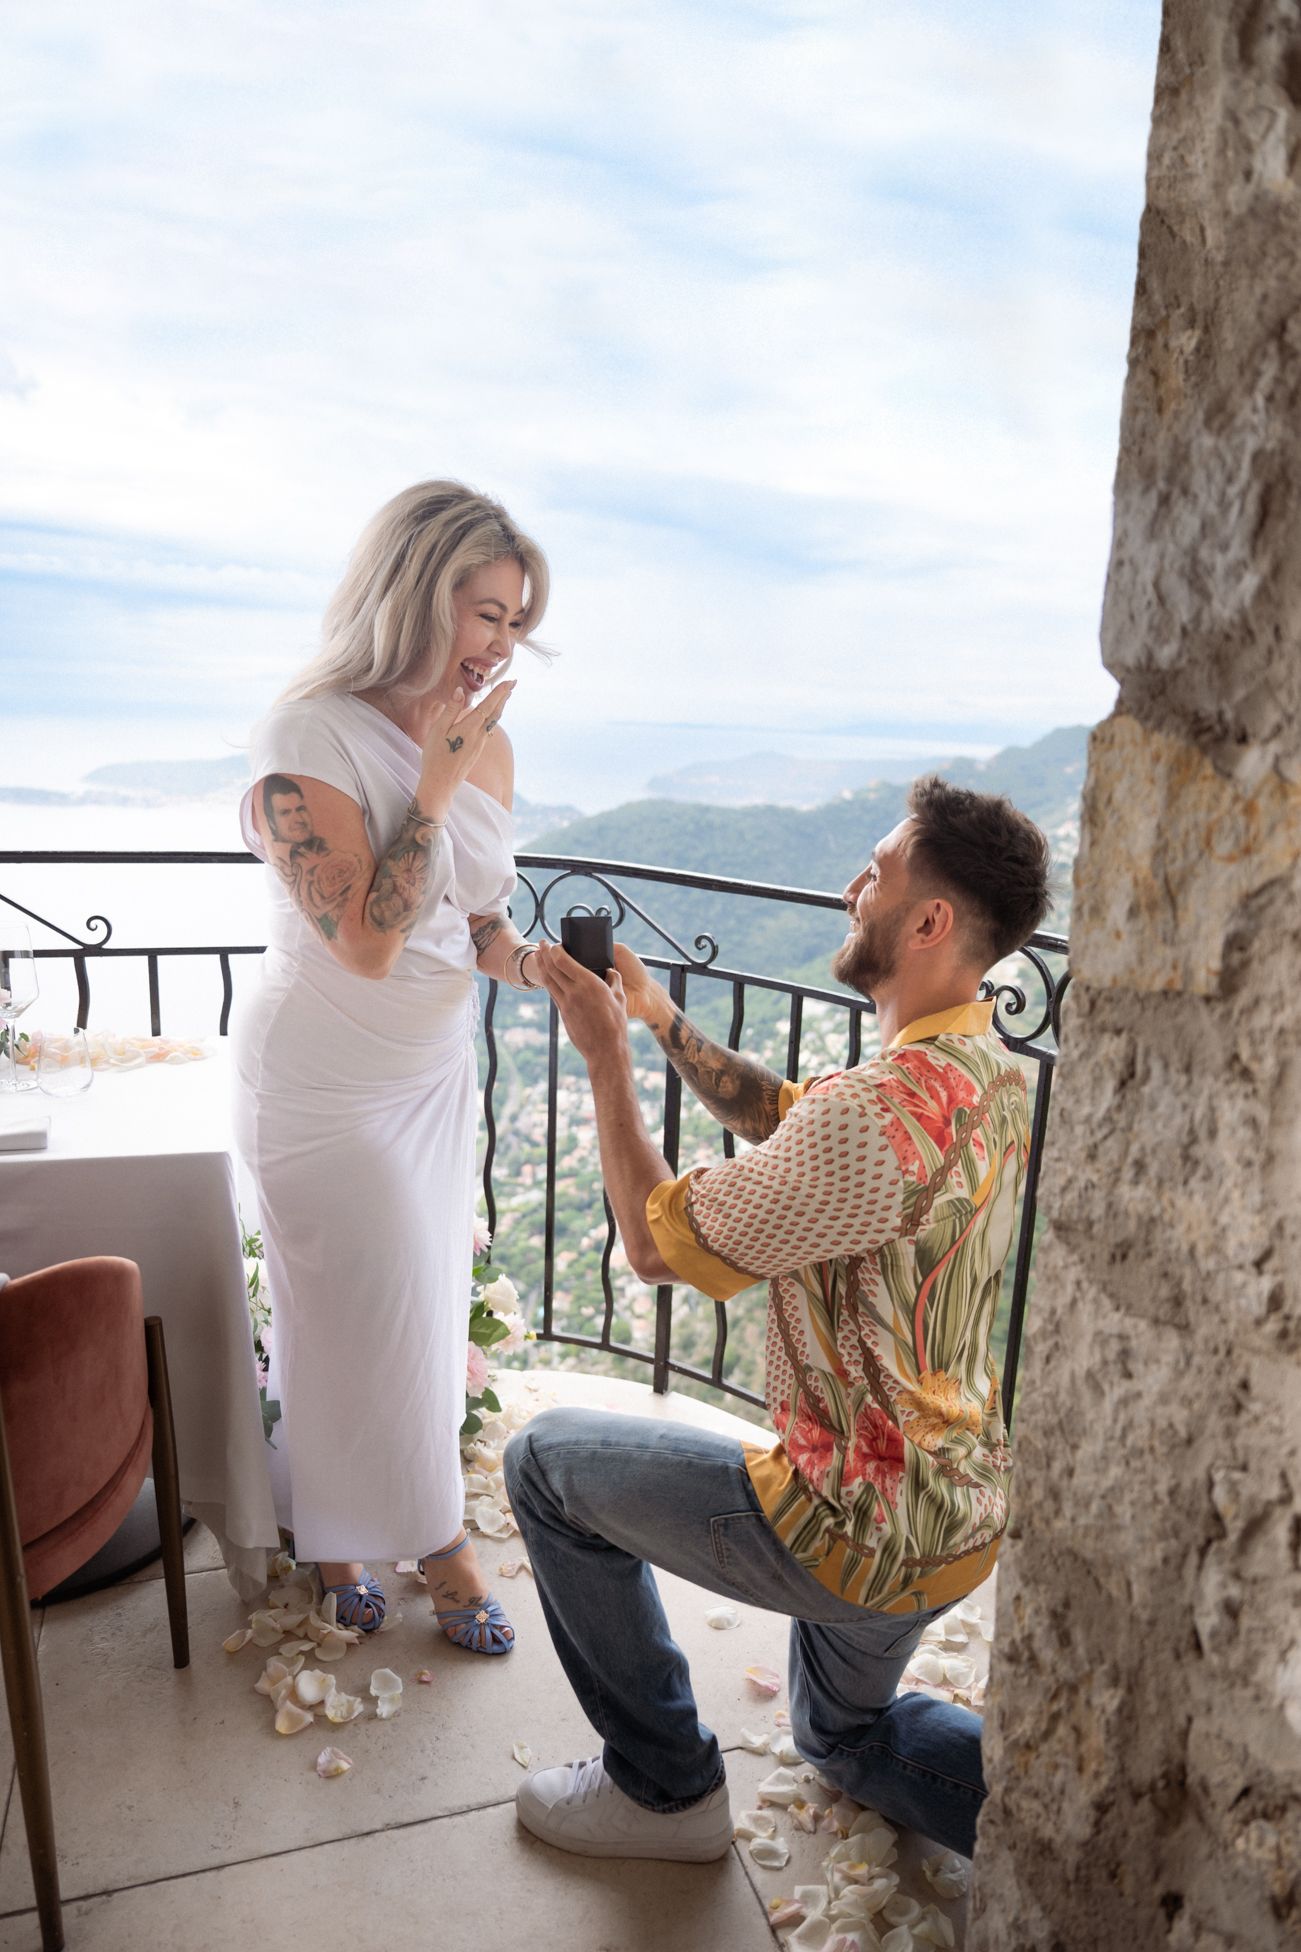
(881, 1211)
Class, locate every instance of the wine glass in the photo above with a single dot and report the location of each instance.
(19, 989)
(63, 1069)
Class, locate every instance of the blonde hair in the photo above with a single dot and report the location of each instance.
(393, 608)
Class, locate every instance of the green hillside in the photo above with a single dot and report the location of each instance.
(821, 848)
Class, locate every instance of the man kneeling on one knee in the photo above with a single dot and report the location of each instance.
(879, 1204)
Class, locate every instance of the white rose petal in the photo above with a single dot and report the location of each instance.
(341, 1707)
(755, 1823)
(334, 1644)
(770, 1853)
(934, 1928)
(901, 1910)
(764, 1680)
(387, 1707)
(384, 1682)
(783, 1747)
(313, 1688)
(783, 1913)
(512, 1568)
(291, 1719)
(235, 1641)
(804, 1816)
(844, 1815)
(722, 1618)
(522, 1753)
(814, 1935)
(780, 1788)
(492, 1522)
(946, 1873)
(927, 1666)
(265, 1630)
(333, 1762)
(753, 1740)
(874, 1837)
(959, 1670)
(898, 1940)
(275, 1672)
(861, 1900)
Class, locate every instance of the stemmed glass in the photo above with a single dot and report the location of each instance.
(19, 989)
(63, 1068)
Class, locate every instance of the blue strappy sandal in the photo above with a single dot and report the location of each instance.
(355, 1597)
(481, 1629)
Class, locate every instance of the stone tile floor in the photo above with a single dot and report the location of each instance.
(185, 1822)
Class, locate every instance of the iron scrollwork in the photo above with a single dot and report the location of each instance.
(92, 923)
(706, 948)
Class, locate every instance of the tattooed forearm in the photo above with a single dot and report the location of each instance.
(401, 883)
(484, 933)
(741, 1093)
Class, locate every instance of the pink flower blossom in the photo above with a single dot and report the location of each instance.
(517, 1336)
(264, 1336)
(482, 1237)
(476, 1370)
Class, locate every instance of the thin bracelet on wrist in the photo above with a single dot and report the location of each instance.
(518, 957)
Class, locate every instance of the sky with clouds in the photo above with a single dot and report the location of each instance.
(795, 333)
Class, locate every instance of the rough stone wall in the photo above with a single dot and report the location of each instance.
(1143, 1741)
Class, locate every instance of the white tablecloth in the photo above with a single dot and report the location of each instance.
(141, 1165)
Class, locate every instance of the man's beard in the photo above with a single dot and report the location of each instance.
(869, 956)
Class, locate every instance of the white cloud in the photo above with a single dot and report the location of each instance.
(796, 334)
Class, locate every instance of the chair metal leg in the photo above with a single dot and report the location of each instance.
(26, 1715)
(167, 1492)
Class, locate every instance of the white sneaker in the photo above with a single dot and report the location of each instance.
(577, 1807)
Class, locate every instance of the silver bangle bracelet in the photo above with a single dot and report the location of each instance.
(518, 957)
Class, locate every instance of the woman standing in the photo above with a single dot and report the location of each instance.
(381, 799)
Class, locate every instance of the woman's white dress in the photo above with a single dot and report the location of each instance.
(356, 1115)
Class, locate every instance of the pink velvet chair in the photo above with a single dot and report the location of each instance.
(84, 1406)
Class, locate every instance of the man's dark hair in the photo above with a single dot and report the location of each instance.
(987, 856)
(276, 783)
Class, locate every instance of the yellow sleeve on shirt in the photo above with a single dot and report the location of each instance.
(790, 1094)
(674, 1236)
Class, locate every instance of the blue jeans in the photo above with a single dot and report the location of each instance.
(600, 1498)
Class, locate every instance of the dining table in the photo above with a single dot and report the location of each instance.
(142, 1164)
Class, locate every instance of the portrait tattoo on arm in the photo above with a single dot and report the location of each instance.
(401, 883)
(321, 879)
(742, 1094)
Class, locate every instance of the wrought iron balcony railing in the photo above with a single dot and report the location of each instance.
(1028, 1009)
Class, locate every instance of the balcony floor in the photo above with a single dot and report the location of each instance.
(183, 1821)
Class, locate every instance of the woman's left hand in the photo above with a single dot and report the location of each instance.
(594, 1012)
